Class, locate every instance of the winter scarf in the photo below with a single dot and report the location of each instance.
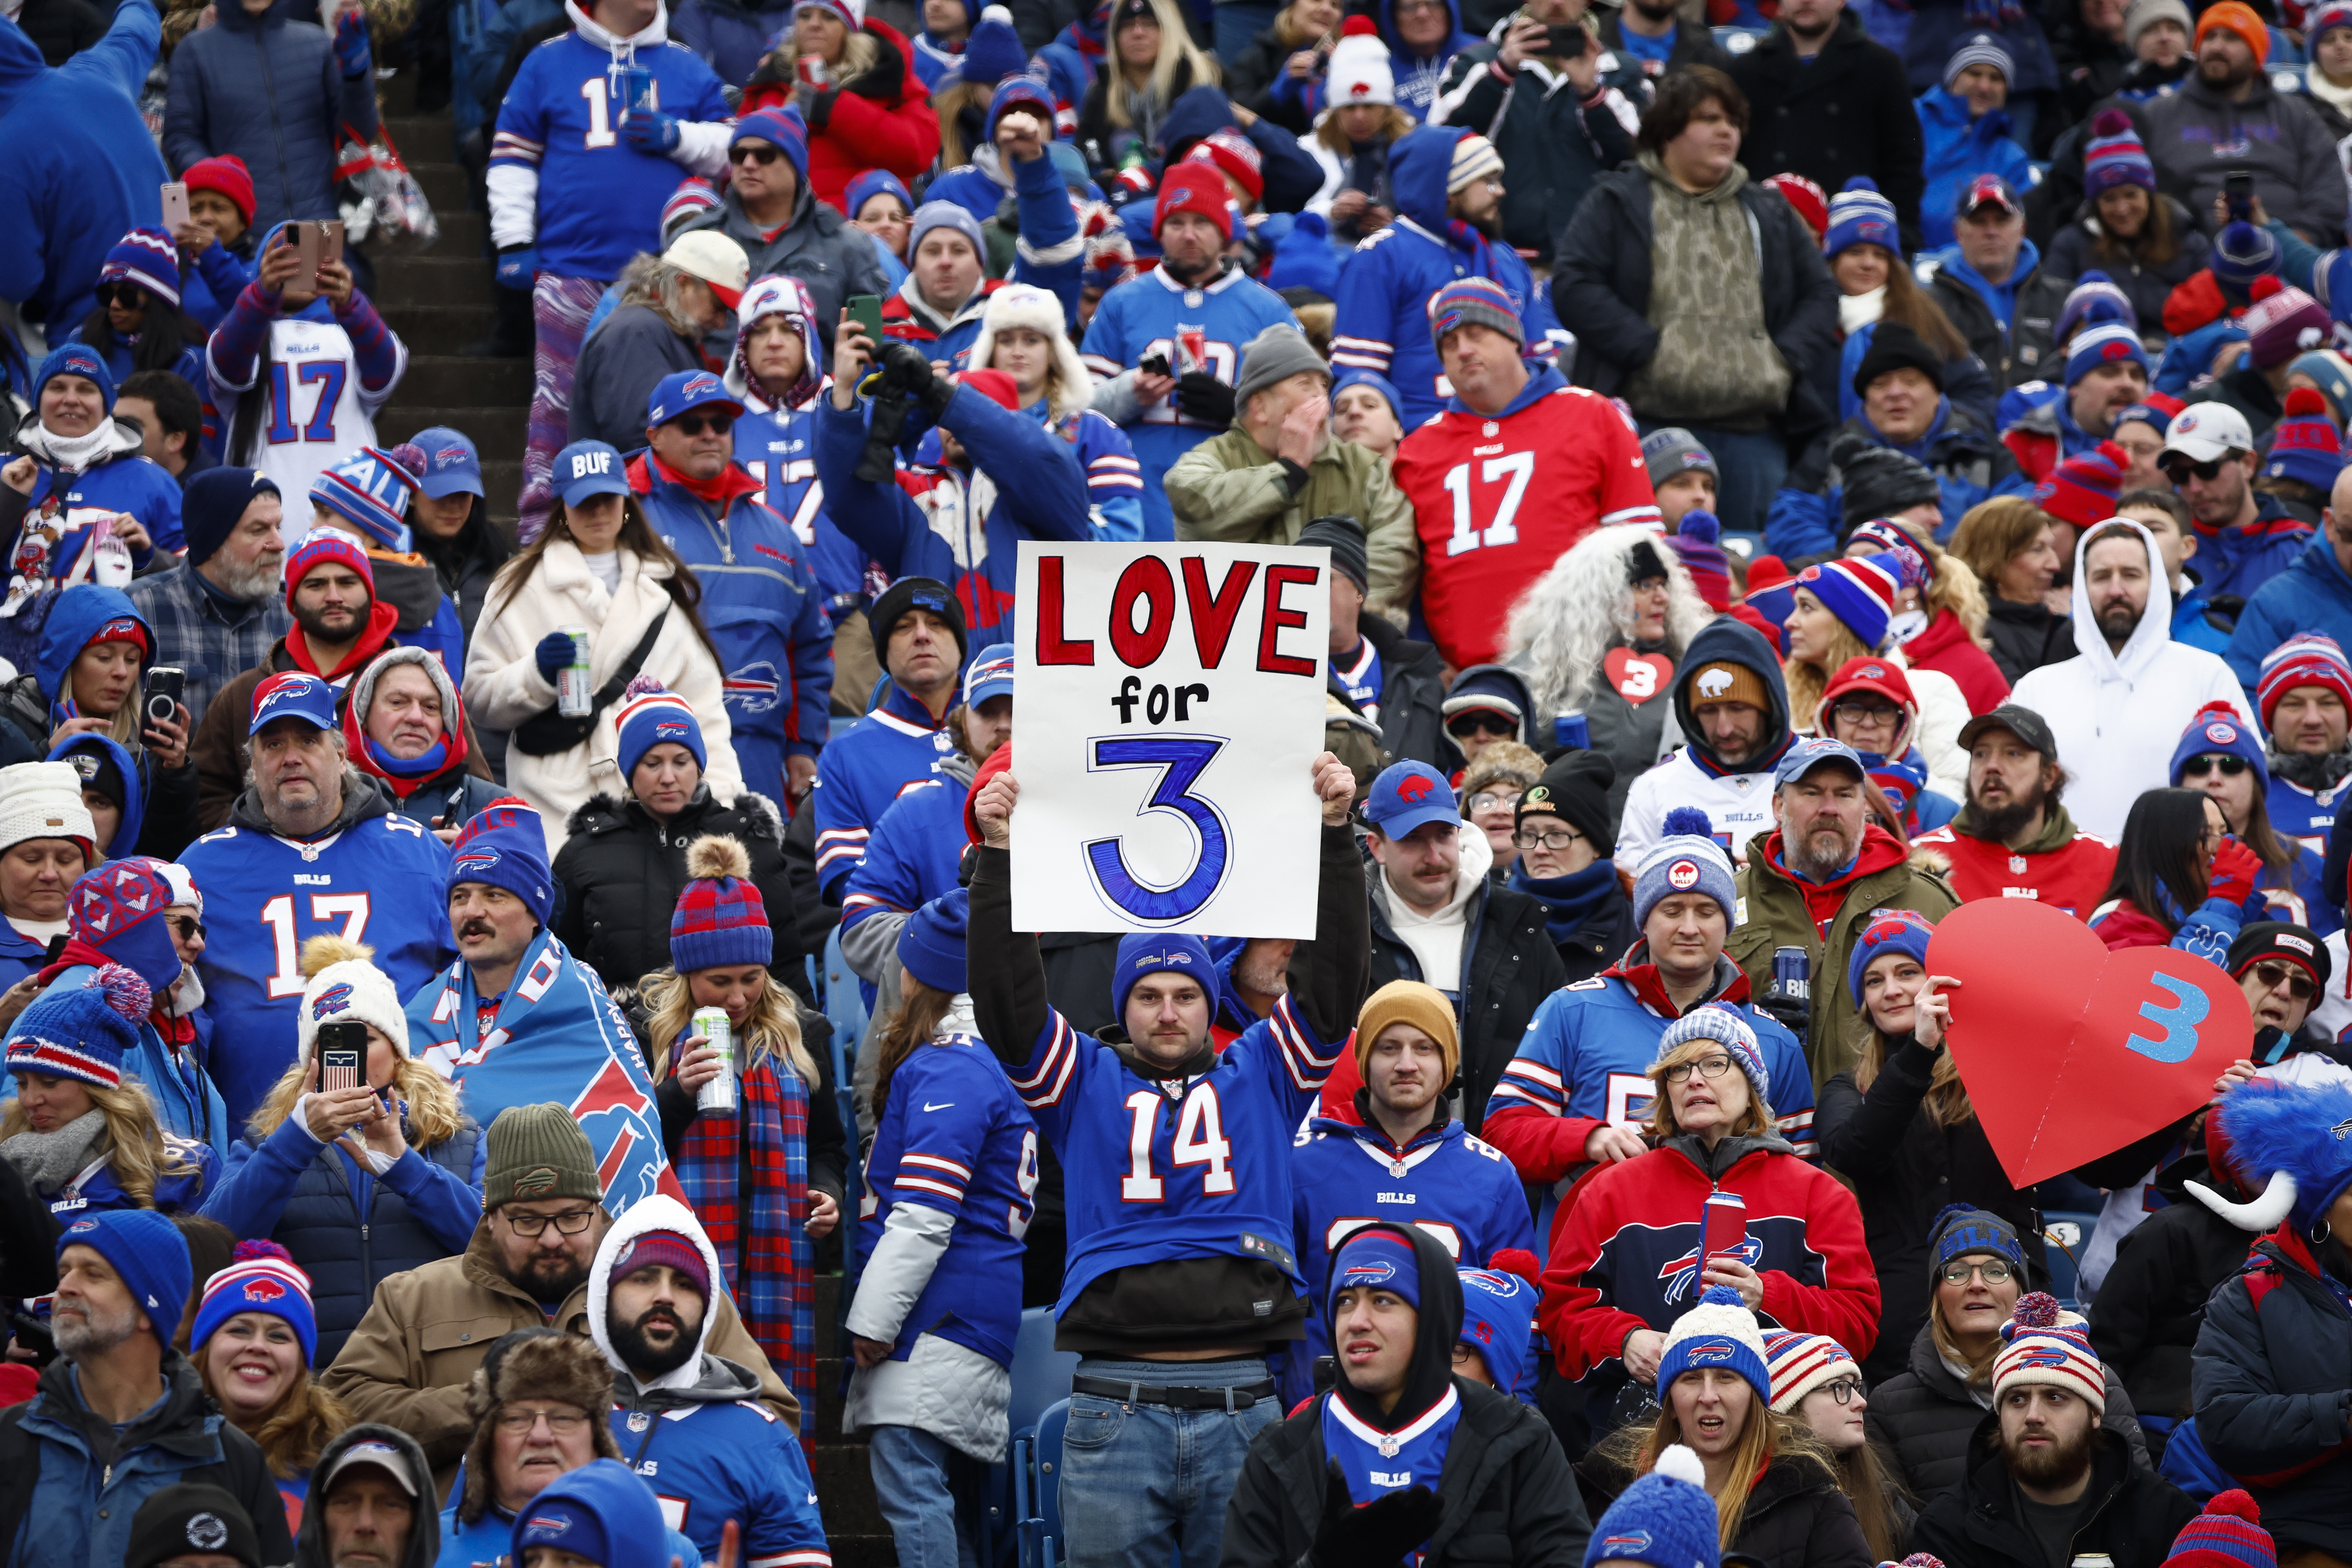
(1569, 901)
(48, 1160)
(71, 454)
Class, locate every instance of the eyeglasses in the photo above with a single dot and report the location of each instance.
(1843, 1390)
(130, 296)
(563, 1423)
(1994, 1270)
(758, 153)
(2276, 974)
(2178, 469)
(2198, 767)
(1879, 713)
(1709, 1067)
(571, 1224)
(1556, 839)
(1488, 800)
(696, 423)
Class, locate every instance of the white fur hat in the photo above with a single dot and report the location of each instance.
(345, 988)
(43, 800)
(1025, 305)
(1358, 72)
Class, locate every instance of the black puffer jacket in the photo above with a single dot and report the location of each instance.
(2152, 1301)
(1924, 1417)
(2026, 636)
(2132, 1522)
(621, 872)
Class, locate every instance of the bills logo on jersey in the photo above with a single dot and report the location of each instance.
(264, 1291)
(334, 999)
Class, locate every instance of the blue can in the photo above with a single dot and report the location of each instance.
(1792, 973)
(1571, 731)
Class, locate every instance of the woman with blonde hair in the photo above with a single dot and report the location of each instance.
(255, 1337)
(1939, 622)
(359, 1167)
(1153, 62)
(1775, 1484)
(1845, 610)
(1023, 335)
(765, 1178)
(83, 1135)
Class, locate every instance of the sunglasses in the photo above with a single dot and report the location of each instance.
(130, 296)
(757, 152)
(2276, 974)
(2198, 767)
(1470, 723)
(696, 423)
(2179, 470)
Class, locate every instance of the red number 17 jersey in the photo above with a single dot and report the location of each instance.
(1497, 501)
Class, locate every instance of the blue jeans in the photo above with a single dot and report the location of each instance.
(1136, 1477)
(1239, 22)
(917, 1480)
(1754, 464)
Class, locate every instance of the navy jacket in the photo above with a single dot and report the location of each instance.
(269, 90)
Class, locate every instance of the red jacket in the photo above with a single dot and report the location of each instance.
(881, 119)
(2036, 452)
(2073, 877)
(1624, 1250)
(1946, 647)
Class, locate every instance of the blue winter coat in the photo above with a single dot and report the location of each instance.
(2311, 594)
(348, 1228)
(1959, 149)
(269, 91)
(2242, 558)
(77, 168)
(186, 1104)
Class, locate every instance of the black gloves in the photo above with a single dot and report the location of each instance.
(1380, 1533)
(1204, 399)
(907, 366)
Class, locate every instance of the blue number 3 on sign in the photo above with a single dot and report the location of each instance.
(1181, 759)
(2180, 1021)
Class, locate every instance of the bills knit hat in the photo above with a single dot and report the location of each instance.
(2230, 1533)
(1811, 202)
(990, 674)
(1959, 1231)
(1801, 1362)
(1231, 153)
(783, 128)
(1409, 1002)
(1860, 591)
(1862, 213)
(1720, 1332)
(1155, 952)
(1475, 158)
(144, 257)
(1014, 89)
(1278, 353)
(189, 1520)
(372, 490)
(504, 846)
(1379, 1257)
(2327, 369)
(2217, 730)
(721, 919)
(75, 358)
(326, 545)
(2307, 658)
(931, 944)
(1359, 69)
(2083, 489)
(693, 198)
(876, 183)
(1479, 301)
(2094, 299)
(261, 1277)
(653, 715)
(2115, 155)
(148, 1253)
(1672, 450)
(536, 1151)
(2325, 15)
(1186, 188)
(2106, 343)
(993, 53)
(1978, 50)
(1726, 1028)
(2040, 1345)
(2283, 322)
(2304, 445)
(909, 594)
(83, 1031)
(1499, 1313)
(224, 175)
(669, 1248)
(347, 988)
(1665, 1519)
(2242, 253)
(1885, 931)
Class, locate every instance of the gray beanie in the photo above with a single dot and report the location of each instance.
(1673, 451)
(2140, 14)
(1277, 352)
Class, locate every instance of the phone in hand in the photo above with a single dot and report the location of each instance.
(341, 1047)
(332, 246)
(161, 689)
(866, 309)
(175, 206)
(1566, 43)
(1153, 363)
(310, 245)
(2238, 191)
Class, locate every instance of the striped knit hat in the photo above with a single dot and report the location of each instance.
(651, 714)
(371, 489)
(2082, 490)
(263, 1278)
(1720, 1332)
(2304, 444)
(2106, 342)
(2242, 253)
(2282, 322)
(82, 1031)
(2326, 15)
(693, 198)
(2115, 155)
(1726, 1028)
(1981, 49)
(144, 257)
(1861, 215)
(720, 918)
(2039, 1344)
(1860, 592)
(2230, 1533)
(326, 545)
(1801, 1362)
(2307, 658)
(2094, 297)
(1481, 301)
(1474, 158)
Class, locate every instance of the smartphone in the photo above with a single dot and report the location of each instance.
(1566, 43)
(338, 1064)
(1153, 363)
(309, 244)
(175, 206)
(163, 686)
(866, 309)
(332, 231)
(2238, 191)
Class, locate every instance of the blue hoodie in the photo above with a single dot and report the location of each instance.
(1418, 76)
(1381, 323)
(134, 790)
(2311, 593)
(78, 169)
(615, 1503)
(1959, 149)
(79, 613)
(1999, 298)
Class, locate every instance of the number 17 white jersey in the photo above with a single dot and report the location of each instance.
(315, 413)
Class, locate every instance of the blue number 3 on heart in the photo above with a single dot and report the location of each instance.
(1181, 761)
(2179, 1022)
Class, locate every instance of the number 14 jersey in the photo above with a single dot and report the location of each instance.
(1499, 500)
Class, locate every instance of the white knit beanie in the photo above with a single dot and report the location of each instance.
(43, 800)
(351, 990)
(1358, 72)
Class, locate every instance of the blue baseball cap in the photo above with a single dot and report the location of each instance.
(682, 392)
(453, 465)
(587, 468)
(990, 674)
(1806, 755)
(292, 694)
(1408, 796)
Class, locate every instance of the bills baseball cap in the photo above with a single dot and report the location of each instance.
(453, 464)
(587, 468)
(1407, 795)
(292, 694)
(2206, 432)
(1806, 755)
(1988, 191)
(684, 391)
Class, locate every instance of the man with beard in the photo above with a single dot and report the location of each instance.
(2046, 1482)
(1190, 317)
(2118, 708)
(1814, 881)
(2227, 117)
(220, 610)
(409, 1362)
(1731, 711)
(119, 1415)
(1449, 227)
(2305, 697)
(2012, 839)
(689, 1421)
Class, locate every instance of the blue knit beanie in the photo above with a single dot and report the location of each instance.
(932, 944)
(2218, 729)
(1687, 859)
(1153, 952)
(81, 1031)
(993, 54)
(1726, 1028)
(75, 358)
(262, 1277)
(1720, 1332)
(2242, 253)
(504, 846)
(603, 1512)
(1304, 258)
(148, 1251)
(1861, 215)
(1886, 930)
(2106, 343)
(651, 715)
(1376, 1256)
(1959, 1230)
(1498, 1319)
(1665, 1519)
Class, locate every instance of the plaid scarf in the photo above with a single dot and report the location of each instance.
(764, 1254)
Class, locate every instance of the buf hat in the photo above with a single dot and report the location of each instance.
(148, 1253)
(2307, 658)
(292, 694)
(989, 674)
(536, 1151)
(1801, 1362)
(720, 918)
(83, 1032)
(2230, 1533)
(1860, 214)
(262, 1278)
(1685, 859)
(187, 1520)
(1720, 1332)
(1666, 1519)
(2040, 1346)
(1726, 1027)
(371, 490)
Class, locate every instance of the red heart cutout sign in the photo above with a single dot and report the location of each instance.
(1638, 677)
(2069, 1051)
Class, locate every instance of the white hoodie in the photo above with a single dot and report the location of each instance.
(2117, 718)
(1435, 938)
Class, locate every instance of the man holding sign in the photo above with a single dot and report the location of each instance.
(1176, 1164)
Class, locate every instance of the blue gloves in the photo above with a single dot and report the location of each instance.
(351, 43)
(553, 654)
(650, 131)
(516, 265)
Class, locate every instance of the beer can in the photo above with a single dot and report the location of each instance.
(711, 1024)
(1193, 346)
(575, 697)
(1792, 973)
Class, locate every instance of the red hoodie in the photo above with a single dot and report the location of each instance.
(1824, 900)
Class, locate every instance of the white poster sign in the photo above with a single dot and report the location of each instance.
(1170, 702)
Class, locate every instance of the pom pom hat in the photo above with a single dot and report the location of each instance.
(2304, 445)
(1666, 1519)
(651, 715)
(1685, 859)
(144, 257)
(2307, 658)
(346, 988)
(2218, 729)
(2229, 1534)
(83, 1031)
(1859, 591)
(2040, 1345)
(1861, 215)
(721, 919)
(371, 490)
(1359, 70)
(263, 1278)
(2115, 155)
(1499, 1313)
(1720, 1332)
